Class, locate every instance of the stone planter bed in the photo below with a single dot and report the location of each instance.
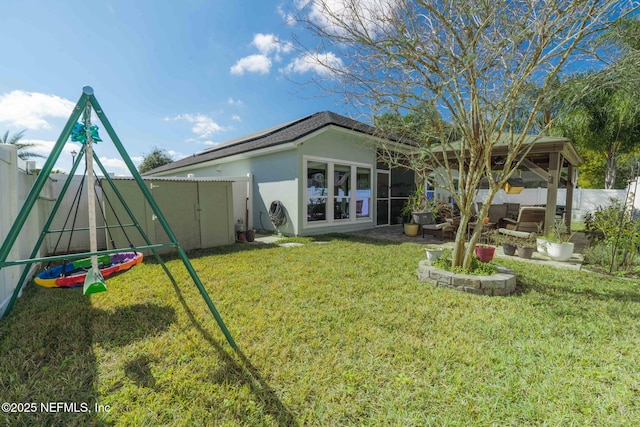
(502, 283)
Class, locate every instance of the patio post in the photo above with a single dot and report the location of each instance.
(568, 204)
(552, 191)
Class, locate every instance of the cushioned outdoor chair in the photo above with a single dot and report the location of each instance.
(530, 220)
(449, 222)
(449, 226)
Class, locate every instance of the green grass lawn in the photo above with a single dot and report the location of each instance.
(340, 333)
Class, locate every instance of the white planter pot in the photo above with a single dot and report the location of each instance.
(433, 254)
(423, 218)
(541, 245)
(560, 251)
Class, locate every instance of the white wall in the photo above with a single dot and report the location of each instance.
(15, 185)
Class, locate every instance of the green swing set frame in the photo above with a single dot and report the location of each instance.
(86, 101)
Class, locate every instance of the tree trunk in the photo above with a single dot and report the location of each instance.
(610, 172)
(459, 254)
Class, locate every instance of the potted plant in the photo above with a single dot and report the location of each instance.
(250, 234)
(541, 241)
(485, 252)
(509, 243)
(526, 246)
(559, 248)
(419, 209)
(415, 204)
(433, 252)
(525, 251)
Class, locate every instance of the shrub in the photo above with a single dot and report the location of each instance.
(614, 228)
(478, 268)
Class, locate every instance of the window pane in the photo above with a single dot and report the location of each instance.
(363, 192)
(341, 208)
(342, 180)
(317, 179)
(317, 209)
(317, 191)
(363, 180)
(362, 207)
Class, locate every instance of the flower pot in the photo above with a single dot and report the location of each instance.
(509, 249)
(411, 230)
(525, 251)
(541, 245)
(485, 253)
(560, 251)
(423, 218)
(433, 254)
(250, 235)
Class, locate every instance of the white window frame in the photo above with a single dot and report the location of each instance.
(331, 221)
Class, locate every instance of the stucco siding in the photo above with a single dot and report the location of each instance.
(339, 144)
(276, 178)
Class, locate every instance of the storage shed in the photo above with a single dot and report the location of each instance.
(199, 211)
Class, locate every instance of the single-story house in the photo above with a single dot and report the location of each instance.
(321, 172)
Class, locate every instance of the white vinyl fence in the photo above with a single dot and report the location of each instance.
(584, 200)
(15, 184)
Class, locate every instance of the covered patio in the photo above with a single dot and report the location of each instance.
(552, 161)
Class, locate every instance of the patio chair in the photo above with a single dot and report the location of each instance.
(449, 226)
(530, 219)
(496, 212)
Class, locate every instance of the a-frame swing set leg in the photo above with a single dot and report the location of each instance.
(133, 218)
(87, 98)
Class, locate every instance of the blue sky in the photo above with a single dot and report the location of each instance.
(179, 75)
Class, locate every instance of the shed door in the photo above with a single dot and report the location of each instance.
(214, 214)
(178, 202)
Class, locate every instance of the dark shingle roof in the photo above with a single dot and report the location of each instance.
(287, 132)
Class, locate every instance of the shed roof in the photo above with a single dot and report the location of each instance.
(277, 135)
(172, 178)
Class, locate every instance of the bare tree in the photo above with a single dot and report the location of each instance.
(469, 60)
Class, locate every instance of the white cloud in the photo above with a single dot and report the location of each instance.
(362, 15)
(30, 109)
(269, 43)
(176, 155)
(270, 48)
(235, 102)
(113, 162)
(115, 165)
(322, 64)
(203, 126)
(287, 17)
(252, 64)
(236, 118)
